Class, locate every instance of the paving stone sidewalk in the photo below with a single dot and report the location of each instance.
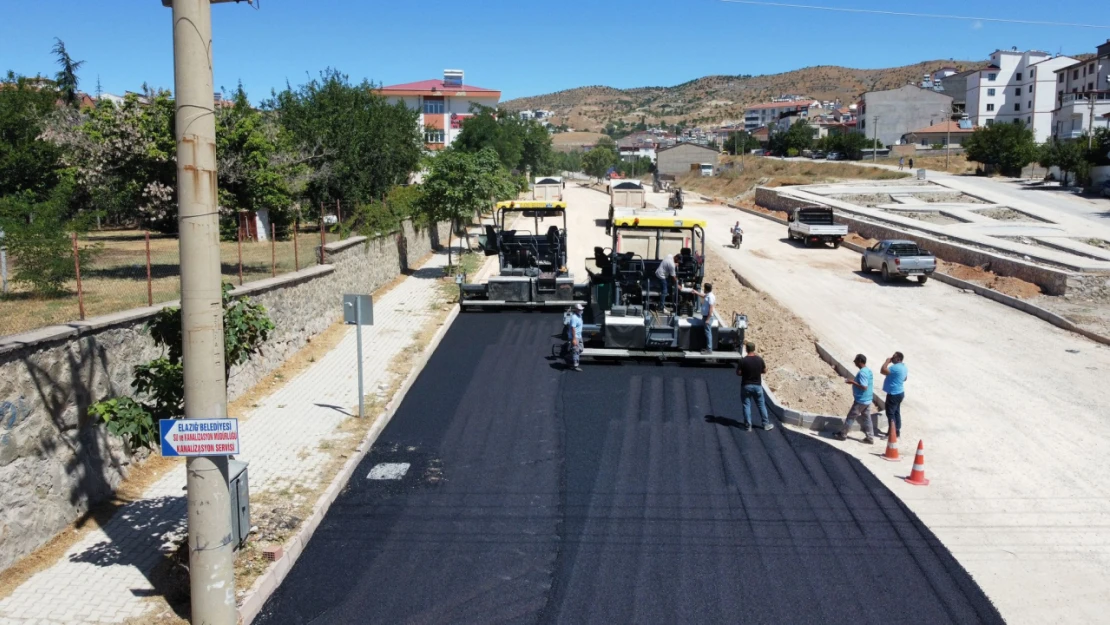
(104, 578)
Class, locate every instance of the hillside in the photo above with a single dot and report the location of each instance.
(715, 99)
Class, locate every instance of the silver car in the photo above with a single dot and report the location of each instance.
(899, 259)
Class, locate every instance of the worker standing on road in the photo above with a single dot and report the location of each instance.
(911, 163)
(708, 308)
(664, 275)
(574, 325)
(862, 394)
(894, 385)
(901, 162)
(751, 370)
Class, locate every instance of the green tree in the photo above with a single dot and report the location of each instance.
(37, 233)
(358, 145)
(459, 184)
(520, 144)
(1069, 156)
(798, 137)
(122, 159)
(27, 162)
(1007, 147)
(741, 141)
(66, 78)
(597, 161)
(253, 172)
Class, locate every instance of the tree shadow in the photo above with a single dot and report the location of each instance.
(149, 535)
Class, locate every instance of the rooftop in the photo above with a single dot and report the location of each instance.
(434, 86)
(775, 105)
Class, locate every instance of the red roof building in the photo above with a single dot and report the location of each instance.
(443, 104)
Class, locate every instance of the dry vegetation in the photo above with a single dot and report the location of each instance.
(773, 172)
(957, 165)
(719, 98)
(116, 278)
(796, 374)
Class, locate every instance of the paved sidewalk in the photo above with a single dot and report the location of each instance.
(105, 577)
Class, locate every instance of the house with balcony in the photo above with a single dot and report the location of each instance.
(443, 104)
(1016, 88)
(1083, 95)
(767, 113)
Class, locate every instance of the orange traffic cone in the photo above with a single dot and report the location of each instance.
(891, 447)
(917, 476)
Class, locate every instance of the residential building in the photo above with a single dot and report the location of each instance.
(955, 85)
(676, 160)
(442, 104)
(893, 113)
(637, 145)
(947, 132)
(1083, 96)
(769, 112)
(1016, 87)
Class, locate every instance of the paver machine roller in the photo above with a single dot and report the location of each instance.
(532, 263)
(626, 315)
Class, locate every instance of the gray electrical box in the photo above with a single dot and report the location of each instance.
(239, 487)
(921, 174)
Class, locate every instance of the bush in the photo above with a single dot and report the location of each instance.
(792, 152)
(39, 238)
(161, 382)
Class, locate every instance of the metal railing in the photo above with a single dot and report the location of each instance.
(1084, 97)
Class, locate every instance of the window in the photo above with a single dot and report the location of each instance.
(990, 107)
(990, 91)
(1033, 73)
(1075, 74)
(992, 76)
(990, 122)
(433, 107)
(433, 136)
(1029, 105)
(1061, 76)
(1017, 106)
(1090, 86)
(1017, 91)
(1029, 120)
(1019, 76)
(1091, 68)
(1017, 122)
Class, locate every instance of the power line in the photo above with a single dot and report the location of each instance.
(904, 14)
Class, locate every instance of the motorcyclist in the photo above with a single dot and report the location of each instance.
(737, 235)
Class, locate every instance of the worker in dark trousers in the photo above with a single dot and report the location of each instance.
(894, 385)
(751, 370)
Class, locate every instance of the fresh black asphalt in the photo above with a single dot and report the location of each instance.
(624, 494)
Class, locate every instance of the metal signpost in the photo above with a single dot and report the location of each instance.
(359, 310)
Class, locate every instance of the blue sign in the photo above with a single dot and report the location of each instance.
(199, 437)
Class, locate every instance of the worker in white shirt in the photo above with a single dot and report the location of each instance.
(664, 275)
(708, 309)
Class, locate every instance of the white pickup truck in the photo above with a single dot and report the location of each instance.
(815, 224)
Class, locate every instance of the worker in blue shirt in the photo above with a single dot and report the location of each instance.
(574, 326)
(862, 394)
(895, 388)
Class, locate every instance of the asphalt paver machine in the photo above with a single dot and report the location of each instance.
(626, 315)
(533, 263)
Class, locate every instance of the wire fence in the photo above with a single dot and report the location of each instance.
(116, 270)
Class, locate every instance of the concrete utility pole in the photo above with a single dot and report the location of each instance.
(875, 140)
(948, 139)
(211, 552)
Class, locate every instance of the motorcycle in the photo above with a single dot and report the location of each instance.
(737, 239)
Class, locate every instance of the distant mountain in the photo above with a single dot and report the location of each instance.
(716, 99)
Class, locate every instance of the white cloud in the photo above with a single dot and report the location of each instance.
(976, 25)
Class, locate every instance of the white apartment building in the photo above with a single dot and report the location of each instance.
(764, 114)
(1083, 96)
(443, 104)
(1016, 88)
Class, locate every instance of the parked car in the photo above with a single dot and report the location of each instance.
(815, 224)
(1105, 188)
(899, 259)
(818, 154)
(835, 156)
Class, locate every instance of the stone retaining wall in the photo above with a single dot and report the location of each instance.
(56, 462)
(1051, 281)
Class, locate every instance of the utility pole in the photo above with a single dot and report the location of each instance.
(948, 139)
(1090, 119)
(211, 552)
(875, 140)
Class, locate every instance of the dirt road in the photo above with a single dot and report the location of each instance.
(1013, 412)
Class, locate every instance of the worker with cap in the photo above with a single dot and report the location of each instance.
(574, 334)
(665, 274)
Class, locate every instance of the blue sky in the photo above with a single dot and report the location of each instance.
(522, 48)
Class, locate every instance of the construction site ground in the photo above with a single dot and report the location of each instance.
(1011, 410)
